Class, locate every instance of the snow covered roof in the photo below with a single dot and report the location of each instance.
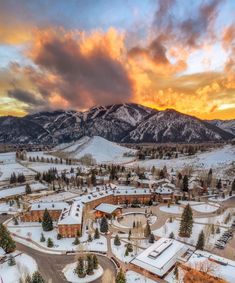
(49, 205)
(164, 191)
(160, 256)
(72, 215)
(107, 208)
(132, 191)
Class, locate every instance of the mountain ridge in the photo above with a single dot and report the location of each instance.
(127, 122)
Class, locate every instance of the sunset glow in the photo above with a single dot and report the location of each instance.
(77, 54)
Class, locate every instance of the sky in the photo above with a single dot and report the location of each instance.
(76, 54)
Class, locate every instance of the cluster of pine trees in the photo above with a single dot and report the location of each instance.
(86, 266)
(20, 178)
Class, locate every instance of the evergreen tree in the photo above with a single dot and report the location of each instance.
(217, 230)
(185, 183)
(200, 241)
(126, 252)
(37, 278)
(15, 221)
(95, 262)
(59, 236)
(93, 178)
(219, 184)
(97, 234)
(13, 178)
(90, 238)
(47, 224)
(42, 239)
(147, 230)
(80, 270)
(186, 224)
(212, 229)
(129, 247)
(233, 186)
(90, 265)
(121, 278)
(76, 241)
(28, 189)
(151, 238)
(6, 241)
(171, 236)
(104, 227)
(11, 261)
(50, 243)
(129, 235)
(117, 241)
(176, 272)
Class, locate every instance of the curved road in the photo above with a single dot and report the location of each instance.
(51, 266)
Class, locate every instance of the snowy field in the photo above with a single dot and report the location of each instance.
(172, 209)
(42, 167)
(215, 159)
(24, 265)
(20, 190)
(101, 150)
(73, 278)
(205, 208)
(6, 208)
(134, 277)
(8, 165)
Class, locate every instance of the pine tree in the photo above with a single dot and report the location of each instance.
(11, 261)
(6, 241)
(59, 236)
(90, 238)
(47, 224)
(151, 238)
(176, 272)
(126, 252)
(37, 278)
(200, 241)
(76, 241)
(217, 230)
(90, 265)
(28, 189)
(185, 183)
(129, 247)
(104, 227)
(171, 236)
(120, 277)
(97, 234)
(50, 243)
(233, 186)
(117, 241)
(129, 235)
(42, 239)
(147, 230)
(93, 178)
(186, 224)
(95, 262)
(80, 270)
(15, 221)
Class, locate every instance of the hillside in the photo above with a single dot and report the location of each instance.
(118, 123)
(101, 150)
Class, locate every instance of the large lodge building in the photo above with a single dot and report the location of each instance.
(69, 216)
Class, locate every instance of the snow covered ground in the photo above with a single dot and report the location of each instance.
(42, 167)
(20, 190)
(101, 150)
(33, 230)
(172, 209)
(73, 278)
(6, 208)
(134, 277)
(119, 251)
(216, 159)
(205, 208)
(24, 265)
(8, 165)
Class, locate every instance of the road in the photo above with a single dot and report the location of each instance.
(50, 266)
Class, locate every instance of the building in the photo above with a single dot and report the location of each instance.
(70, 221)
(160, 257)
(108, 210)
(37, 210)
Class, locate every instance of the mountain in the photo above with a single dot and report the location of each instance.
(118, 122)
(225, 125)
(108, 151)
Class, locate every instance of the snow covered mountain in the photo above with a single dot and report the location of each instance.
(101, 150)
(119, 123)
(226, 125)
